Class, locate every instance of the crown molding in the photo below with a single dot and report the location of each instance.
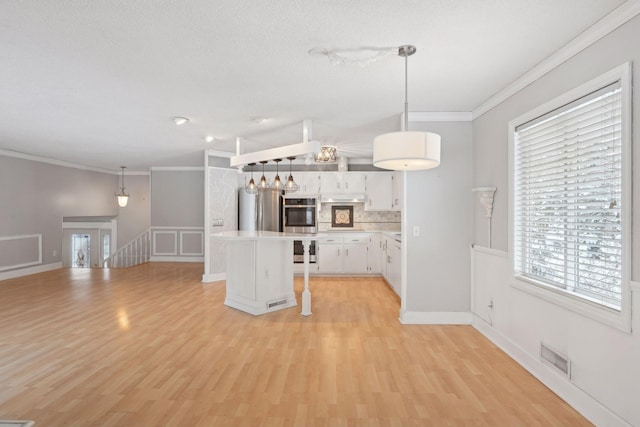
(56, 162)
(440, 116)
(606, 25)
(177, 168)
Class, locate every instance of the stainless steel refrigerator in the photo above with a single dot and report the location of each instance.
(261, 211)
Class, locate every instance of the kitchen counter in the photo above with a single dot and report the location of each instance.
(260, 271)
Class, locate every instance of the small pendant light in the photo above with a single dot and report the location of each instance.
(277, 183)
(123, 197)
(263, 181)
(251, 188)
(291, 186)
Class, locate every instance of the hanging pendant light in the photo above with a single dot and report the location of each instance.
(123, 197)
(277, 183)
(263, 181)
(406, 150)
(251, 188)
(291, 186)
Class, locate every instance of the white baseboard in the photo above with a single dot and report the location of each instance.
(176, 259)
(30, 270)
(586, 405)
(214, 277)
(435, 318)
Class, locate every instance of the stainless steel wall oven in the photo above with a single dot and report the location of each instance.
(299, 215)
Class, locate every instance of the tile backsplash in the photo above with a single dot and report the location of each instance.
(362, 220)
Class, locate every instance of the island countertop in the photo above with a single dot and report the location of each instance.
(266, 235)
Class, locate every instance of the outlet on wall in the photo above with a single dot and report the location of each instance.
(416, 231)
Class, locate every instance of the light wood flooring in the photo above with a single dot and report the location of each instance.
(151, 345)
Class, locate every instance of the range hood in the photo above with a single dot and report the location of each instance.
(337, 198)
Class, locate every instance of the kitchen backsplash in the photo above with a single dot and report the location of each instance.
(362, 220)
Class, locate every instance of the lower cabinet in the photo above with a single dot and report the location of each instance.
(345, 254)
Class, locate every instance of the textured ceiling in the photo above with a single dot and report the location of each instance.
(96, 83)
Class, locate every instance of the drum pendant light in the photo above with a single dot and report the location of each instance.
(251, 188)
(406, 150)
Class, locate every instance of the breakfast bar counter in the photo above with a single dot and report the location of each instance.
(260, 270)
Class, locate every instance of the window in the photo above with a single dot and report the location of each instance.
(570, 209)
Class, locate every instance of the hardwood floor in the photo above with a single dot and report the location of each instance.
(151, 345)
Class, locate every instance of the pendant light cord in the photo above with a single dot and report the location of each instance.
(406, 92)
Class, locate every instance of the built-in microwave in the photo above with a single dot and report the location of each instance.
(299, 215)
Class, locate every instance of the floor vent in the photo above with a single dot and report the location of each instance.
(556, 360)
(272, 304)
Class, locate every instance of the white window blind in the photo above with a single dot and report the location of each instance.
(567, 198)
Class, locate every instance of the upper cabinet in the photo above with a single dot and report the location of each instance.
(309, 182)
(343, 182)
(397, 190)
(379, 191)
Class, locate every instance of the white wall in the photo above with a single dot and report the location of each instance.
(606, 361)
(439, 202)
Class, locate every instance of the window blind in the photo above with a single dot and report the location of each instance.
(567, 198)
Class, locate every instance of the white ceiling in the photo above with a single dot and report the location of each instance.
(96, 83)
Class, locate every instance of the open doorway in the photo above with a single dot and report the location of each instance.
(86, 243)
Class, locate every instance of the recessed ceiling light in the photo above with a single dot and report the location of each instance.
(179, 120)
(258, 119)
(209, 138)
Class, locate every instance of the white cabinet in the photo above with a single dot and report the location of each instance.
(347, 253)
(309, 182)
(342, 182)
(391, 260)
(379, 191)
(329, 255)
(397, 191)
(373, 254)
(394, 273)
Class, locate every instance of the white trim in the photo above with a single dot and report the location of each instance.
(620, 320)
(586, 405)
(609, 23)
(216, 277)
(52, 161)
(635, 286)
(275, 153)
(435, 318)
(182, 252)
(28, 271)
(87, 225)
(176, 259)
(163, 227)
(440, 116)
(490, 251)
(175, 244)
(25, 264)
(176, 168)
(216, 153)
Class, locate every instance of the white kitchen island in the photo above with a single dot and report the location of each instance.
(260, 270)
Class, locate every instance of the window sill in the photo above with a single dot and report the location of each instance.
(620, 320)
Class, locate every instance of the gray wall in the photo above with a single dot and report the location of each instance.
(177, 198)
(439, 201)
(490, 130)
(34, 197)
